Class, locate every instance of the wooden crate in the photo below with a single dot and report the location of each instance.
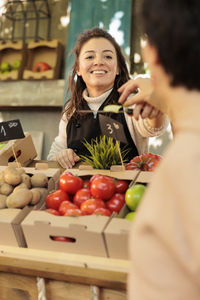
(66, 276)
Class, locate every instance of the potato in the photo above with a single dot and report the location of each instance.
(19, 198)
(42, 191)
(20, 171)
(27, 180)
(39, 180)
(3, 201)
(20, 186)
(12, 176)
(36, 196)
(2, 177)
(6, 189)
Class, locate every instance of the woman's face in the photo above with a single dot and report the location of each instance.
(97, 64)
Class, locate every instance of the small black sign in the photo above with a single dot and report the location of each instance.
(11, 130)
(112, 128)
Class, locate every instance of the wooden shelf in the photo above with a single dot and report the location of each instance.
(28, 94)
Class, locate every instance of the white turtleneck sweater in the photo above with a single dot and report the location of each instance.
(139, 130)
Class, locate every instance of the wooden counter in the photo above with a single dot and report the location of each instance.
(67, 276)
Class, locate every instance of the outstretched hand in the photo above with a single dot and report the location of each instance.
(141, 99)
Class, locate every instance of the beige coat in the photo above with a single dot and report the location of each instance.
(165, 237)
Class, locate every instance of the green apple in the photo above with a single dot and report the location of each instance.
(134, 195)
(130, 216)
(16, 64)
(5, 66)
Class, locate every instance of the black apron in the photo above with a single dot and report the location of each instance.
(87, 127)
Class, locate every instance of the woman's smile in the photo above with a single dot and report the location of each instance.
(98, 65)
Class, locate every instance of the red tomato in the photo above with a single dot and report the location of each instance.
(102, 211)
(70, 183)
(64, 206)
(94, 177)
(103, 187)
(89, 206)
(144, 162)
(121, 186)
(52, 211)
(73, 212)
(81, 195)
(116, 203)
(41, 67)
(54, 199)
(63, 239)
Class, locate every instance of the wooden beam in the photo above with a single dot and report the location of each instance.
(103, 272)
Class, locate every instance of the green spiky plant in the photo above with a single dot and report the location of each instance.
(104, 152)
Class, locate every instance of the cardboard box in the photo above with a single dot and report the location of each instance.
(10, 52)
(10, 218)
(116, 234)
(87, 232)
(24, 150)
(115, 172)
(49, 52)
(39, 228)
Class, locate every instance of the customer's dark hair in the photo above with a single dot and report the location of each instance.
(173, 27)
(76, 85)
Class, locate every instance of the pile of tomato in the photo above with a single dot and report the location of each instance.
(100, 194)
(144, 162)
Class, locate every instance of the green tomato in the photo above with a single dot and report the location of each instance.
(134, 195)
(130, 216)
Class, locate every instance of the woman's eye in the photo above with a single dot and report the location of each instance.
(108, 57)
(89, 57)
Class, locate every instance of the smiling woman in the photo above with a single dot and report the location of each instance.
(98, 72)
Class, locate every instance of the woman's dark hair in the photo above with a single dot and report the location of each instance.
(76, 85)
(173, 27)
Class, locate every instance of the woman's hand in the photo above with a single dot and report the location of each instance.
(67, 158)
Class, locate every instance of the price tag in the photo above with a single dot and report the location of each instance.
(112, 128)
(11, 130)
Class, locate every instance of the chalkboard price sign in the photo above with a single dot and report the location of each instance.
(11, 130)
(112, 128)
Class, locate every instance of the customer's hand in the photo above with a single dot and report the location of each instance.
(143, 87)
(141, 100)
(67, 158)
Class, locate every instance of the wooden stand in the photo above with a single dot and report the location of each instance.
(67, 276)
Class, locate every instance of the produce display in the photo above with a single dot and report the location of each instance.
(41, 67)
(18, 189)
(100, 195)
(6, 67)
(144, 162)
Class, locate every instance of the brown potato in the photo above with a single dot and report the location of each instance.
(12, 176)
(2, 177)
(3, 201)
(36, 196)
(20, 171)
(27, 180)
(19, 198)
(43, 191)
(6, 189)
(20, 186)
(39, 180)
